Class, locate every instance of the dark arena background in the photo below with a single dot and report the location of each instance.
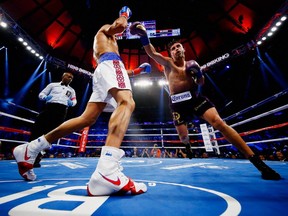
(243, 50)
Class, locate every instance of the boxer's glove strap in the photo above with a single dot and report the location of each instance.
(138, 29)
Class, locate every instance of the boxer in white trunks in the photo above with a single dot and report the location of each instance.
(111, 87)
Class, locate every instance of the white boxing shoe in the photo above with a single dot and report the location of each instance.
(25, 160)
(26, 154)
(108, 179)
(116, 183)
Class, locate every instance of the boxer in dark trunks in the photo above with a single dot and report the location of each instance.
(183, 78)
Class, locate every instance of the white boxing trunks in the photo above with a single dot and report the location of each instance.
(110, 73)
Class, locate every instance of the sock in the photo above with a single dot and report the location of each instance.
(109, 159)
(39, 145)
(185, 140)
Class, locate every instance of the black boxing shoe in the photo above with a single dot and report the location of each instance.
(37, 160)
(189, 151)
(266, 171)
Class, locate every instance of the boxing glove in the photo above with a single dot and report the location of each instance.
(194, 68)
(144, 68)
(125, 12)
(138, 29)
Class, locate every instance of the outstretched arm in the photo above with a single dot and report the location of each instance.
(138, 29)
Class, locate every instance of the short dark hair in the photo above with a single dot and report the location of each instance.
(170, 44)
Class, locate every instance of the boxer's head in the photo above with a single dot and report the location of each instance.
(176, 50)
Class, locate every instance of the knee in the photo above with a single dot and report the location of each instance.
(218, 123)
(87, 121)
(129, 104)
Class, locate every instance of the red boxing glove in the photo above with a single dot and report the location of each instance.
(125, 12)
(142, 69)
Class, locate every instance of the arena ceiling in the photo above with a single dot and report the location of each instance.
(209, 28)
(64, 31)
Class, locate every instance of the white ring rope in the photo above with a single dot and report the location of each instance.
(161, 134)
(261, 115)
(275, 96)
(16, 117)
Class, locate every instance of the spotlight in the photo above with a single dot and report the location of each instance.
(270, 34)
(3, 24)
(162, 82)
(143, 83)
(283, 18)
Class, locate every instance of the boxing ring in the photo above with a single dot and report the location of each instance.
(218, 181)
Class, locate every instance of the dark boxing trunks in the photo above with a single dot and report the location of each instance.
(186, 104)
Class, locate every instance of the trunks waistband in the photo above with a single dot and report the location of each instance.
(183, 96)
(109, 56)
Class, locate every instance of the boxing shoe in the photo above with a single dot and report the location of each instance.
(266, 172)
(38, 159)
(108, 179)
(115, 184)
(26, 154)
(189, 151)
(25, 160)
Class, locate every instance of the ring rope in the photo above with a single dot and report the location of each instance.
(275, 96)
(257, 130)
(166, 129)
(16, 117)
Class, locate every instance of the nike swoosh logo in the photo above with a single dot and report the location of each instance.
(26, 155)
(117, 182)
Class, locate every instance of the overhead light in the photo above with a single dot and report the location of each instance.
(3, 24)
(283, 18)
(143, 83)
(162, 82)
(270, 34)
(278, 23)
(271, 29)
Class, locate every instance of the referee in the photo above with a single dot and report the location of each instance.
(59, 96)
